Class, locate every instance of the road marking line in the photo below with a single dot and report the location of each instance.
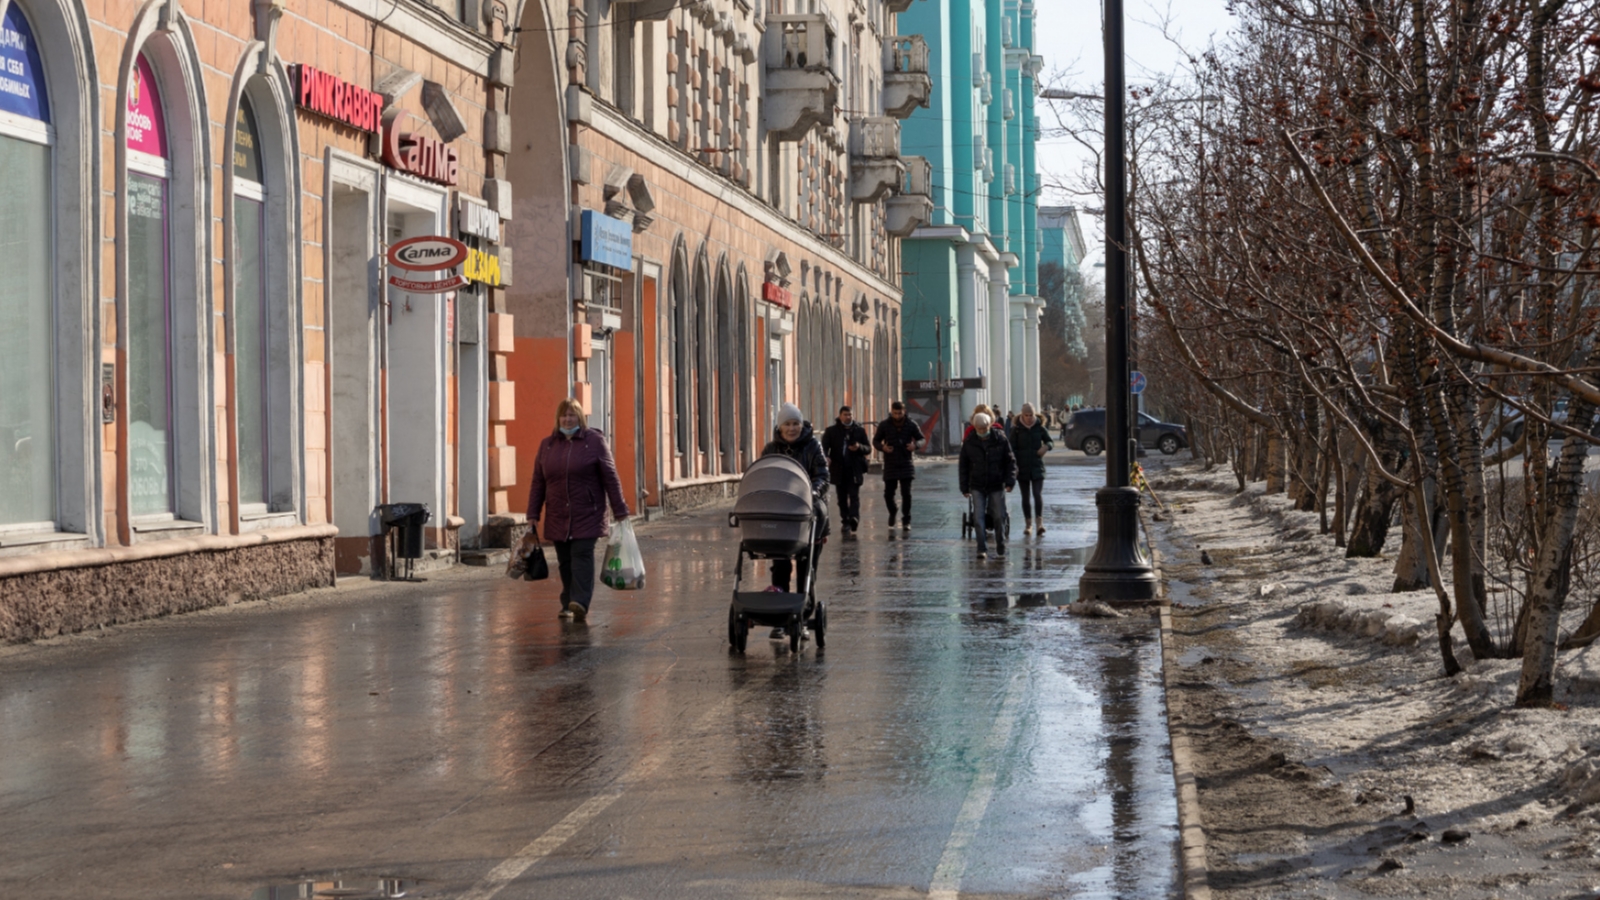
(953, 863)
(564, 830)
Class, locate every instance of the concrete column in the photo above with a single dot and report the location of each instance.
(967, 304)
(1031, 328)
(999, 336)
(1020, 375)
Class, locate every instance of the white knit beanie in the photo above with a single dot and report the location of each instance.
(789, 413)
(981, 421)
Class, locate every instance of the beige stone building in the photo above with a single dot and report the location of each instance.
(733, 191)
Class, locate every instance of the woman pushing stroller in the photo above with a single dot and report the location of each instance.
(793, 438)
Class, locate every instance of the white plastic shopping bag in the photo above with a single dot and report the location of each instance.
(624, 564)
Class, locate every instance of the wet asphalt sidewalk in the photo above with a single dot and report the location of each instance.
(959, 737)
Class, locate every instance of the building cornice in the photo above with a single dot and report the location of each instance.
(429, 27)
(648, 145)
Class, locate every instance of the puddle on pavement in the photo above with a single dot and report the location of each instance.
(351, 889)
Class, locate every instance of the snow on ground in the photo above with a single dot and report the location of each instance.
(1345, 712)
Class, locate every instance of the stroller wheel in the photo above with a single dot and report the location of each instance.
(738, 631)
(797, 627)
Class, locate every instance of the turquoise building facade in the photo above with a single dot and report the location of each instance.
(973, 269)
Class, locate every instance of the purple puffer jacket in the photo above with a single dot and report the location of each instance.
(571, 480)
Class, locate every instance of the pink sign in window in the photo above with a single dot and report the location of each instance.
(147, 130)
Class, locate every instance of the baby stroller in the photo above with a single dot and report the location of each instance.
(777, 519)
(969, 520)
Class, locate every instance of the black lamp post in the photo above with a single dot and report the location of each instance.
(1119, 570)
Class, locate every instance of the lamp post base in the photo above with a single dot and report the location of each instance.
(1119, 571)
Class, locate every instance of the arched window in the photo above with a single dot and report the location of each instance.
(744, 317)
(263, 320)
(28, 471)
(679, 353)
(152, 424)
(730, 376)
(250, 327)
(702, 361)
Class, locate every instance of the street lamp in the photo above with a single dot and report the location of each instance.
(1118, 570)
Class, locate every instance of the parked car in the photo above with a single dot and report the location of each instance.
(1086, 430)
(1514, 422)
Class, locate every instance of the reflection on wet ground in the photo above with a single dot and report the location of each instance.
(960, 733)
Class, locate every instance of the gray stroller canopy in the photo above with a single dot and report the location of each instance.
(774, 487)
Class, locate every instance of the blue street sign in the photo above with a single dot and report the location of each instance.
(606, 240)
(1137, 382)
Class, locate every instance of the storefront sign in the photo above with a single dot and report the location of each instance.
(477, 220)
(428, 287)
(606, 241)
(482, 267)
(776, 295)
(427, 253)
(21, 90)
(949, 384)
(418, 154)
(147, 132)
(328, 95)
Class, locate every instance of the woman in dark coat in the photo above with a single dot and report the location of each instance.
(1031, 440)
(793, 438)
(573, 477)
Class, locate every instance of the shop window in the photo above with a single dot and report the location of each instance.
(251, 329)
(151, 417)
(28, 475)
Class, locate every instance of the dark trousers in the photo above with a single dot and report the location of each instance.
(1031, 488)
(849, 503)
(783, 568)
(904, 484)
(989, 511)
(575, 560)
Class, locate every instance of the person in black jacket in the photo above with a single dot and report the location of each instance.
(1030, 440)
(845, 442)
(793, 438)
(987, 467)
(897, 437)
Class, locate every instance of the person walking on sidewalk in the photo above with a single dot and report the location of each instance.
(846, 444)
(573, 477)
(793, 438)
(987, 468)
(1031, 440)
(897, 438)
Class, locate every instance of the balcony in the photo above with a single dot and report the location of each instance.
(906, 84)
(897, 6)
(912, 206)
(875, 166)
(802, 88)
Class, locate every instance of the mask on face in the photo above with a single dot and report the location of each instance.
(569, 432)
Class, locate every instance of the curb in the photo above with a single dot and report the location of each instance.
(1191, 832)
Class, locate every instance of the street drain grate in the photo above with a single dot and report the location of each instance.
(341, 889)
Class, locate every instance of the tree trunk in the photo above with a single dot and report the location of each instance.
(1340, 502)
(1411, 565)
(1277, 469)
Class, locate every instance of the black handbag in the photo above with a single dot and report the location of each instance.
(538, 567)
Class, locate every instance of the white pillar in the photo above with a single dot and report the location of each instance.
(1031, 327)
(1019, 353)
(967, 304)
(999, 337)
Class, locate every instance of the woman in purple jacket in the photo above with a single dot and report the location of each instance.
(573, 476)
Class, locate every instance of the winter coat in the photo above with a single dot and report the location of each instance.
(987, 463)
(1026, 442)
(846, 466)
(572, 479)
(896, 441)
(807, 451)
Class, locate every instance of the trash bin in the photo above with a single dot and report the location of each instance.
(403, 526)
